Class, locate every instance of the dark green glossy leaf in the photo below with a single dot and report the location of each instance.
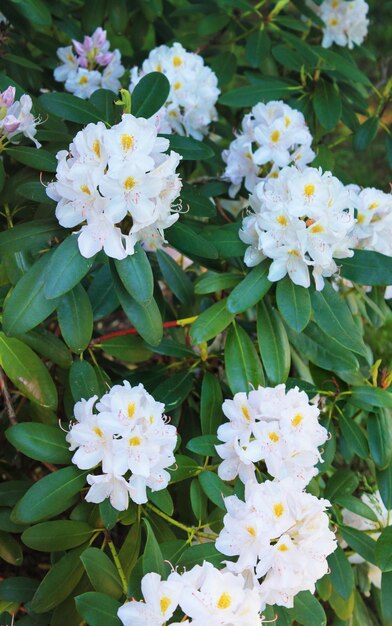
(242, 363)
(98, 609)
(28, 236)
(59, 582)
(211, 322)
(66, 269)
(136, 275)
(152, 556)
(69, 107)
(83, 381)
(360, 542)
(211, 404)
(327, 104)
(273, 344)
(175, 277)
(102, 572)
(40, 442)
(75, 318)
(150, 94)
(342, 574)
(293, 303)
(57, 536)
(41, 160)
(384, 550)
(367, 268)
(250, 290)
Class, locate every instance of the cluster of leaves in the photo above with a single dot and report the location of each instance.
(197, 336)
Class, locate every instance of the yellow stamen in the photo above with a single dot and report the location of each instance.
(287, 121)
(164, 603)
(98, 431)
(158, 68)
(131, 409)
(83, 80)
(173, 113)
(360, 218)
(97, 148)
(275, 136)
(333, 22)
(309, 190)
(85, 189)
(245, 412)
(373, 206)
(278, 509)
(126, 142)
(282, 220)
(177, 85)
(297, 419)
(274, 436)
(177, 61)
(317, 229)
(251, 531)
(224, 601)
(294, 253)
(283, 547)
(134, 441)
(129, 183)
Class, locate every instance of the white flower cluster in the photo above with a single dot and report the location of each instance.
(111, 174)
(190, 107)
(281, 535)
(16, 116)
(205, 595)
(273, 136)
(128, 434)
(384, 519)
(300, 220)
(373, 228)
(270, 425)
(89, 66)
(346, 22)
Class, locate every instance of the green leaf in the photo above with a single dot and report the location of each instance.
(12, 491)
(129, 552)
(27, 306)
(66, 269)
(386, 598)
(273, 344)
(214, 488)
(69, 107)
(185, 468)
(341, 483)
(128, 348)
(83, 381)
(196, 555)
(210, 404)
(136, 275)
(211, 322)
(101, 292)
(35, 11)
(264, 90)
(198, 500)
(40, 442)
(256, 48)
(10, 550)
(27, 372)
(360, 542)
(379, 430)
(196, 202)
(342, 574)
(357, 506)
(59, 582)
(43, 160)
(333, 316)
(102, 572)
(250, 290)
(308, 610)
(49, 496)
(28, 236)
(369, 397)
(98, 609)
(175, 277)
(152, 556)
(163, 500)
(18, 589)
(384, 482)
(354, 436)
(367, 268)
(224, 65)
(103, 101)
(366, 133)
(108, 514)
(242, 364)
(75, 318)
(384, 550)
(212, 282)
(150, 94)
(226, 240)
(48, 346)
(57, 536)
(204, 445)
(189, 148)
(146, 317)
(186, 240)
(327, 104)
(293, 303)
(175, 390)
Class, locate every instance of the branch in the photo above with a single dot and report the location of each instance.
(7, 397)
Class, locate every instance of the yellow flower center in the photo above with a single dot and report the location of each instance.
(85, 189)
(248, 156)
(173, 113)
(129, 183)
(282, 220)
(274, 436)
(164, 603)
(373, 206)
(275, 136)
(97, 148)
(70, 58)
(297, 419)
(134, 441)
(294, 252)
(158, 68)
(283, 547)
(177, 85)
(309, 190)
(98, 431)
(278, 509)
(360, 218)
(333, 22)
(224, 601)
(287, 121)
(126, 142)
(335, 3)
(251, 531)
(83, 80)
(177, 61)
(245, 412)
(317, 229)
(131, 409)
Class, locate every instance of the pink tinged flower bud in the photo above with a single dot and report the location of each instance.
(8, 96)
(88, 43)
(99, 37)
(82, 62)
(79, 47)
(10, 124)
(104, 58)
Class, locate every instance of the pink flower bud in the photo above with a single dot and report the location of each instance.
(88, 43)
(82, 62)
(10, 124)
(78, 47)
(99, 37)
(104, 58)
(8, 96)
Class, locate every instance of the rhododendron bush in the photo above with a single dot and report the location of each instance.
(195, 279)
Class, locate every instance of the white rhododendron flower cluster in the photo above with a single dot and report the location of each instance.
(205, 595)
(273, 136)
(111, 174)
(128, 435)
(89, 66)
(190, 106)
(346, 22)
(383, 519)
(280, 535)
(282, 429)
(16, 116)
(302, 220)
(373, 228)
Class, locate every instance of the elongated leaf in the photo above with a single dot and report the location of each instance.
(136, 275)
(40, 442)
(10, 549)
(127, 348)
(342, 574)
(264, 90)
(226, 240)
(214, 488)
(327, 104)
(360, 542)
(49, 496)
(308, 610)
(211, 322)
(273, 344)
(102, 294)
(150, 94)
(251, 290)
(48, 346)
(57, 536)
(293, 303)
(257, 46)
(384, 482)
(75, 317)
(43, 160)
(189, 148)
(152, 556)
(83, 381)
(195, 555)
(173, 391)
(59, 582)
(380, 438)
(212, 282)
(102, 572)
(204, 445)
(367, 268)
(384, 550)
(354, 435)
(366, 133)
(369, 397)
(18, 589)
(70, 108)
(66, 269)
(27, 372)
(211, 404)
(243, 367)
(98, 609)
(183, 238)
(27, 305)
(28, 236)
(175, 277)
(357, 506)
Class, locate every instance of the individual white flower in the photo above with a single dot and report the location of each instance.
(282, 429)
(190, 106)
(384, 519)
(373, 228)
(161, 599)
(89, 66)
(16, 116)
(346, 23)
(273, 136)
(301, 220)
(281, 535)
(127, 433)
(111, 174)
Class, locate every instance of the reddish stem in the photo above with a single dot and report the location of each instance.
(128, 331)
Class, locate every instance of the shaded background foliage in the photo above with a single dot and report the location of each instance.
(54, 317)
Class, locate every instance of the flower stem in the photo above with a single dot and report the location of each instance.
(118, 565)
(190, 530)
